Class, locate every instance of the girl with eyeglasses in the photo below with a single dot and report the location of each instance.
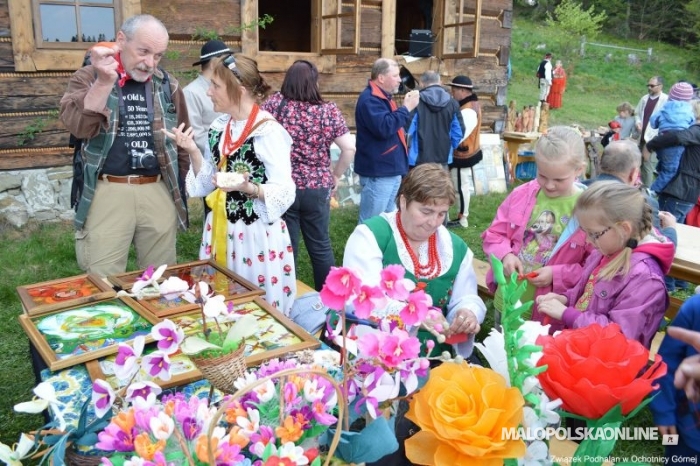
(623, 279)
(246, 177)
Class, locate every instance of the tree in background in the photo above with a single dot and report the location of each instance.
(571, 21)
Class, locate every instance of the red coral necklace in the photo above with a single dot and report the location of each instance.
(229, 147)
(432, 268)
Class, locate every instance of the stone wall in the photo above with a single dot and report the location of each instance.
(39, 195)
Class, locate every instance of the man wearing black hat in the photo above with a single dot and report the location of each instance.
(199, 105)
(468, 153)
(544, 73)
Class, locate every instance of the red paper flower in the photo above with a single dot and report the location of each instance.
(277, 461)
(594, 368)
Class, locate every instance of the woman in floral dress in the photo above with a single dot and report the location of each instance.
(244, 229)
(314, 125)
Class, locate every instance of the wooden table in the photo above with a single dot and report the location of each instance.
(513, 142)
(686, 262)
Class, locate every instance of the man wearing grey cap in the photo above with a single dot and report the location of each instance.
(199, 105)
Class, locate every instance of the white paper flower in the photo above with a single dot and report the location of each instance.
(12, 456)
(537, 454)
(494, 350)
(45, 398)
(149, 278)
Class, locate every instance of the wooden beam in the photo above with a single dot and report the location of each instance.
(388, 28)
(23, 44)
(249, 36)
(36, 158)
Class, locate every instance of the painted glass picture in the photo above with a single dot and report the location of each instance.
(182, 370)
(56, 294)
(273, 336)
(221, 281)
(79, 334)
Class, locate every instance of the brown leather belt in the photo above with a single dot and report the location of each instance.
(131, 179)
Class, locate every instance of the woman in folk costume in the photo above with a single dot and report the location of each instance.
(247, 180)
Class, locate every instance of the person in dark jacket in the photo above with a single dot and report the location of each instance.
(673, 412)
(681, 193)
(437, 126)
(381, 155)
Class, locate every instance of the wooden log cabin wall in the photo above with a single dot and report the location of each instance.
(342, 37)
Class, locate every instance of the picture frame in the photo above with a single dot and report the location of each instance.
(257, 351)
(183, 370)
(275, 334)
(43, 297)
(221, 280)
(77, 334)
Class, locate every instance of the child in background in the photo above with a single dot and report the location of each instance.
(676, 114)
(613, 134)
(672, 411)
(623, 279)
(551, 257)
(625, 116)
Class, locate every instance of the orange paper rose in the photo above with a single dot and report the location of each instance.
(462, 411)
(594, 368)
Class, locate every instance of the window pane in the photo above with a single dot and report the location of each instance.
(97, 24)
(58, 23)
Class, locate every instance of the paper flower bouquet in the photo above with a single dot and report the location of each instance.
(275, 417)
(465, 412)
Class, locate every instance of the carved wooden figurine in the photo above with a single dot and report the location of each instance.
(544, 118)
(512, 115)
(526, 119)
(519, 123)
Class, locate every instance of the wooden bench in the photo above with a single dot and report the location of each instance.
(481, 268)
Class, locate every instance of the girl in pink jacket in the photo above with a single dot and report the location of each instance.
(623, 280)
(534, 232)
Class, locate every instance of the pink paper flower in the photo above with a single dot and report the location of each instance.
(417, 308)
(102, 397)
(126, 362)
(368, 299)
(393, 282)
(143, 394)
(168, 335)
(341, 284)
(157, 364)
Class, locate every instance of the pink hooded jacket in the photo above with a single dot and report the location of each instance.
(636, 301)
(506, 234)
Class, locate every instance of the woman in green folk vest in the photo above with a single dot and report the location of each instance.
(414, 237)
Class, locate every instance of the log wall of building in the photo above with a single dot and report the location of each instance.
(30, 100)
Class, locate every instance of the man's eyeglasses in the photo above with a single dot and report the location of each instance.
(652, 85)
(597, 235)
(230, 63)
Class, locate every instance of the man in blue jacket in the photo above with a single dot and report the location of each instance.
(381, 155)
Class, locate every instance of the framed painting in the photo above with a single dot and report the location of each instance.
(274, 334)
(78, 334)
(223, 281)
(182, 370)
(40, 298)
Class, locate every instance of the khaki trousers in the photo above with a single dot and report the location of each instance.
(124, 214)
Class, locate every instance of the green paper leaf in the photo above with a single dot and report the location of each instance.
(194, 345)
(241, 330)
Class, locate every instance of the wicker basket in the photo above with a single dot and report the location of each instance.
(75, 458)
(281, 375)
(222, 371)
